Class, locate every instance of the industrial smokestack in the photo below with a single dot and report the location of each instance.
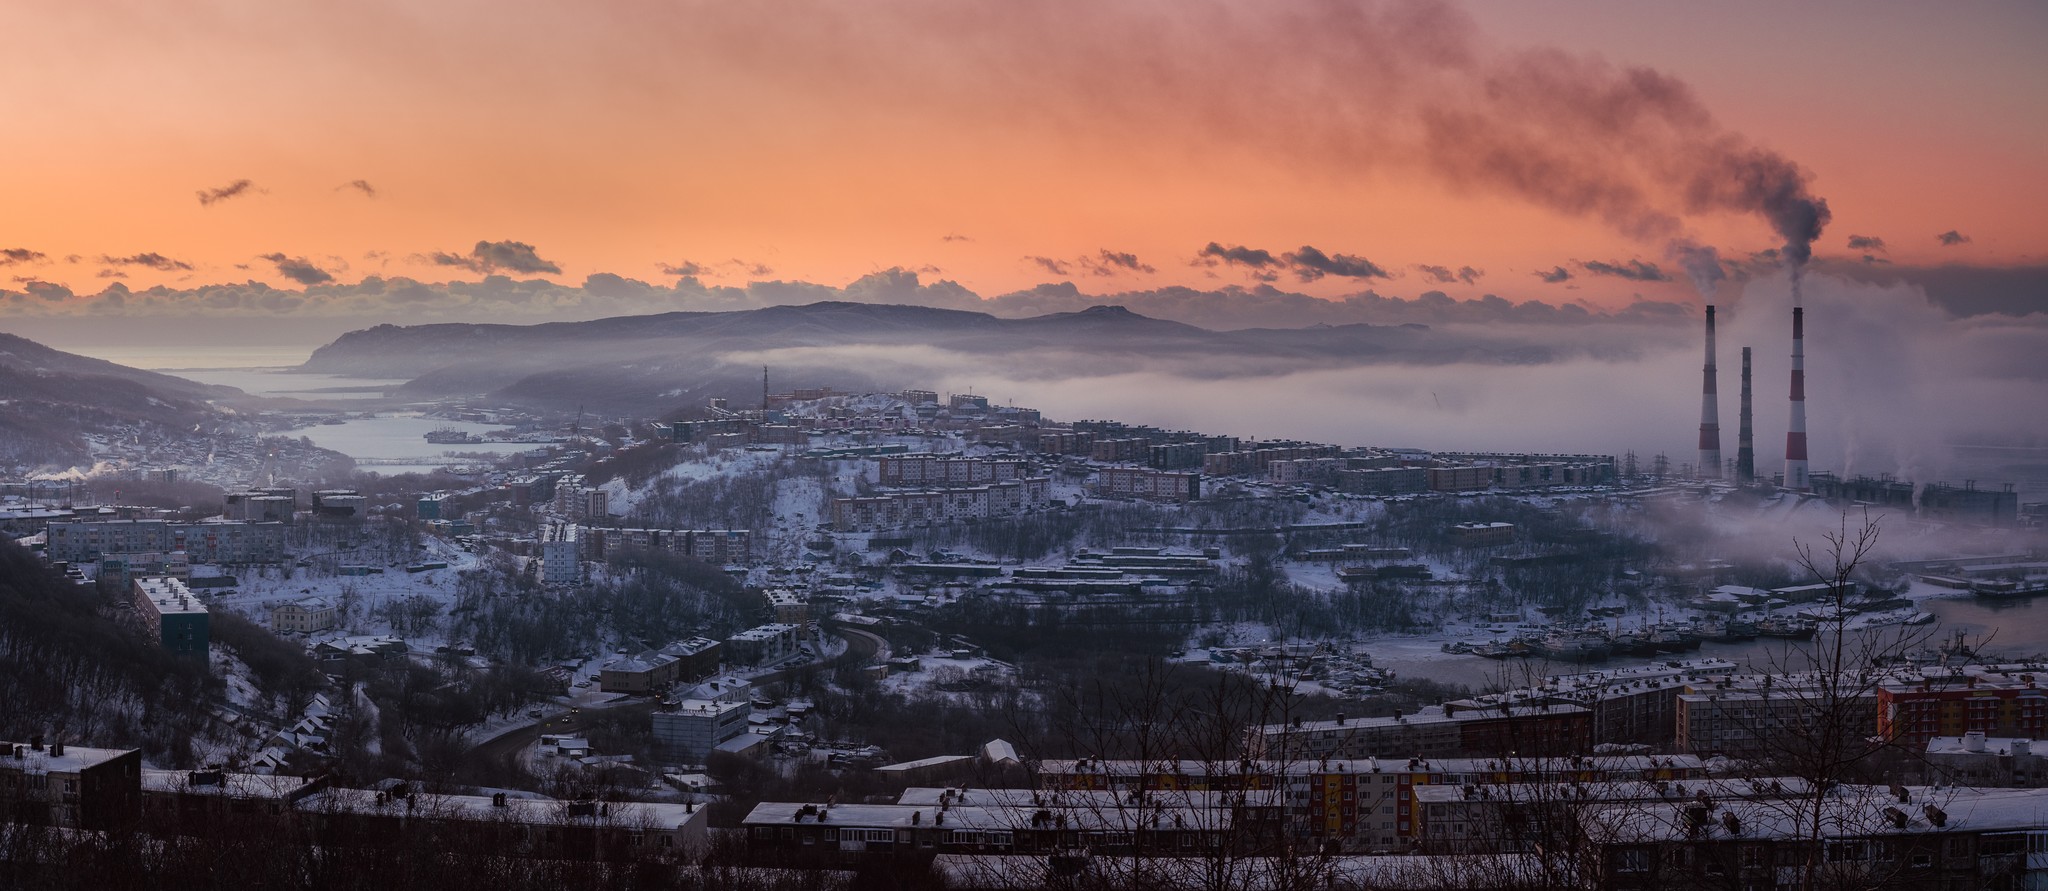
(1795, 435)
(1710, 412)
(1745, 438)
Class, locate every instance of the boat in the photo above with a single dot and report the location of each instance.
(450, 436)
(1631, 643)
(1724, 630)
(1495, 649)
(1573, 646)
(1672, 639)
(1789, 629)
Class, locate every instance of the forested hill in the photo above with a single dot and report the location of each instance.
(74, 665)
(52, 401)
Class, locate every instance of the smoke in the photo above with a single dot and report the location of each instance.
(1702, 264)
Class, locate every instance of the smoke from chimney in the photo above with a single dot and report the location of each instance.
(1795, 434)
(1745, 438)
(1710, 411)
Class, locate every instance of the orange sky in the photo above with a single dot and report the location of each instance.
(826, 141)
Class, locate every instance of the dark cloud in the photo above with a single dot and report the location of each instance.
(1554, 276)
(73, 258)
(111, 273)
(1633, 270)
(1108, 262)
(684, 268)
(749, 267)
(1056, 267)
(152, 260)
(1445, 275)
(360, 185)
(12, 256)
(299, 269)
(1865, 243)
(1236, 255)
(1951, 238)
(1310, 264)
(955, 236)
(50, 291)
(234, 189)
(493, 256)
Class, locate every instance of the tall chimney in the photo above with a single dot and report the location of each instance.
(1710, 412)
(1745, 437)
(1795, 435)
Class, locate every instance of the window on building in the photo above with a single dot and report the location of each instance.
(1632, 860)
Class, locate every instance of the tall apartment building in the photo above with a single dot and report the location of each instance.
(578, 501)
(561, 560)
(172, 616)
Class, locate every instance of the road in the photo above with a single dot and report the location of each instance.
(861, 648)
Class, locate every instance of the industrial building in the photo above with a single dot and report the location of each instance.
(691, 729)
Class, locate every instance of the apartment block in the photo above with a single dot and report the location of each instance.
(1148, 484)
(900, 509)
(708, 545)
(69, 787)
(1992, 700)
(762, 645)
(1436, 731)
(1383, 480)
(172, 616)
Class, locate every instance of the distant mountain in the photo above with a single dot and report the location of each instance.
(654, 363)
(51, 401)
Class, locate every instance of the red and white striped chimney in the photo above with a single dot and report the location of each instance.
(1710, 412)
(1795, 435)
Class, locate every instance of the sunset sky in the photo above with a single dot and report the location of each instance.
(1004, 145)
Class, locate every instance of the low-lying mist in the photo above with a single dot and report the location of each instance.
(1892, 383)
